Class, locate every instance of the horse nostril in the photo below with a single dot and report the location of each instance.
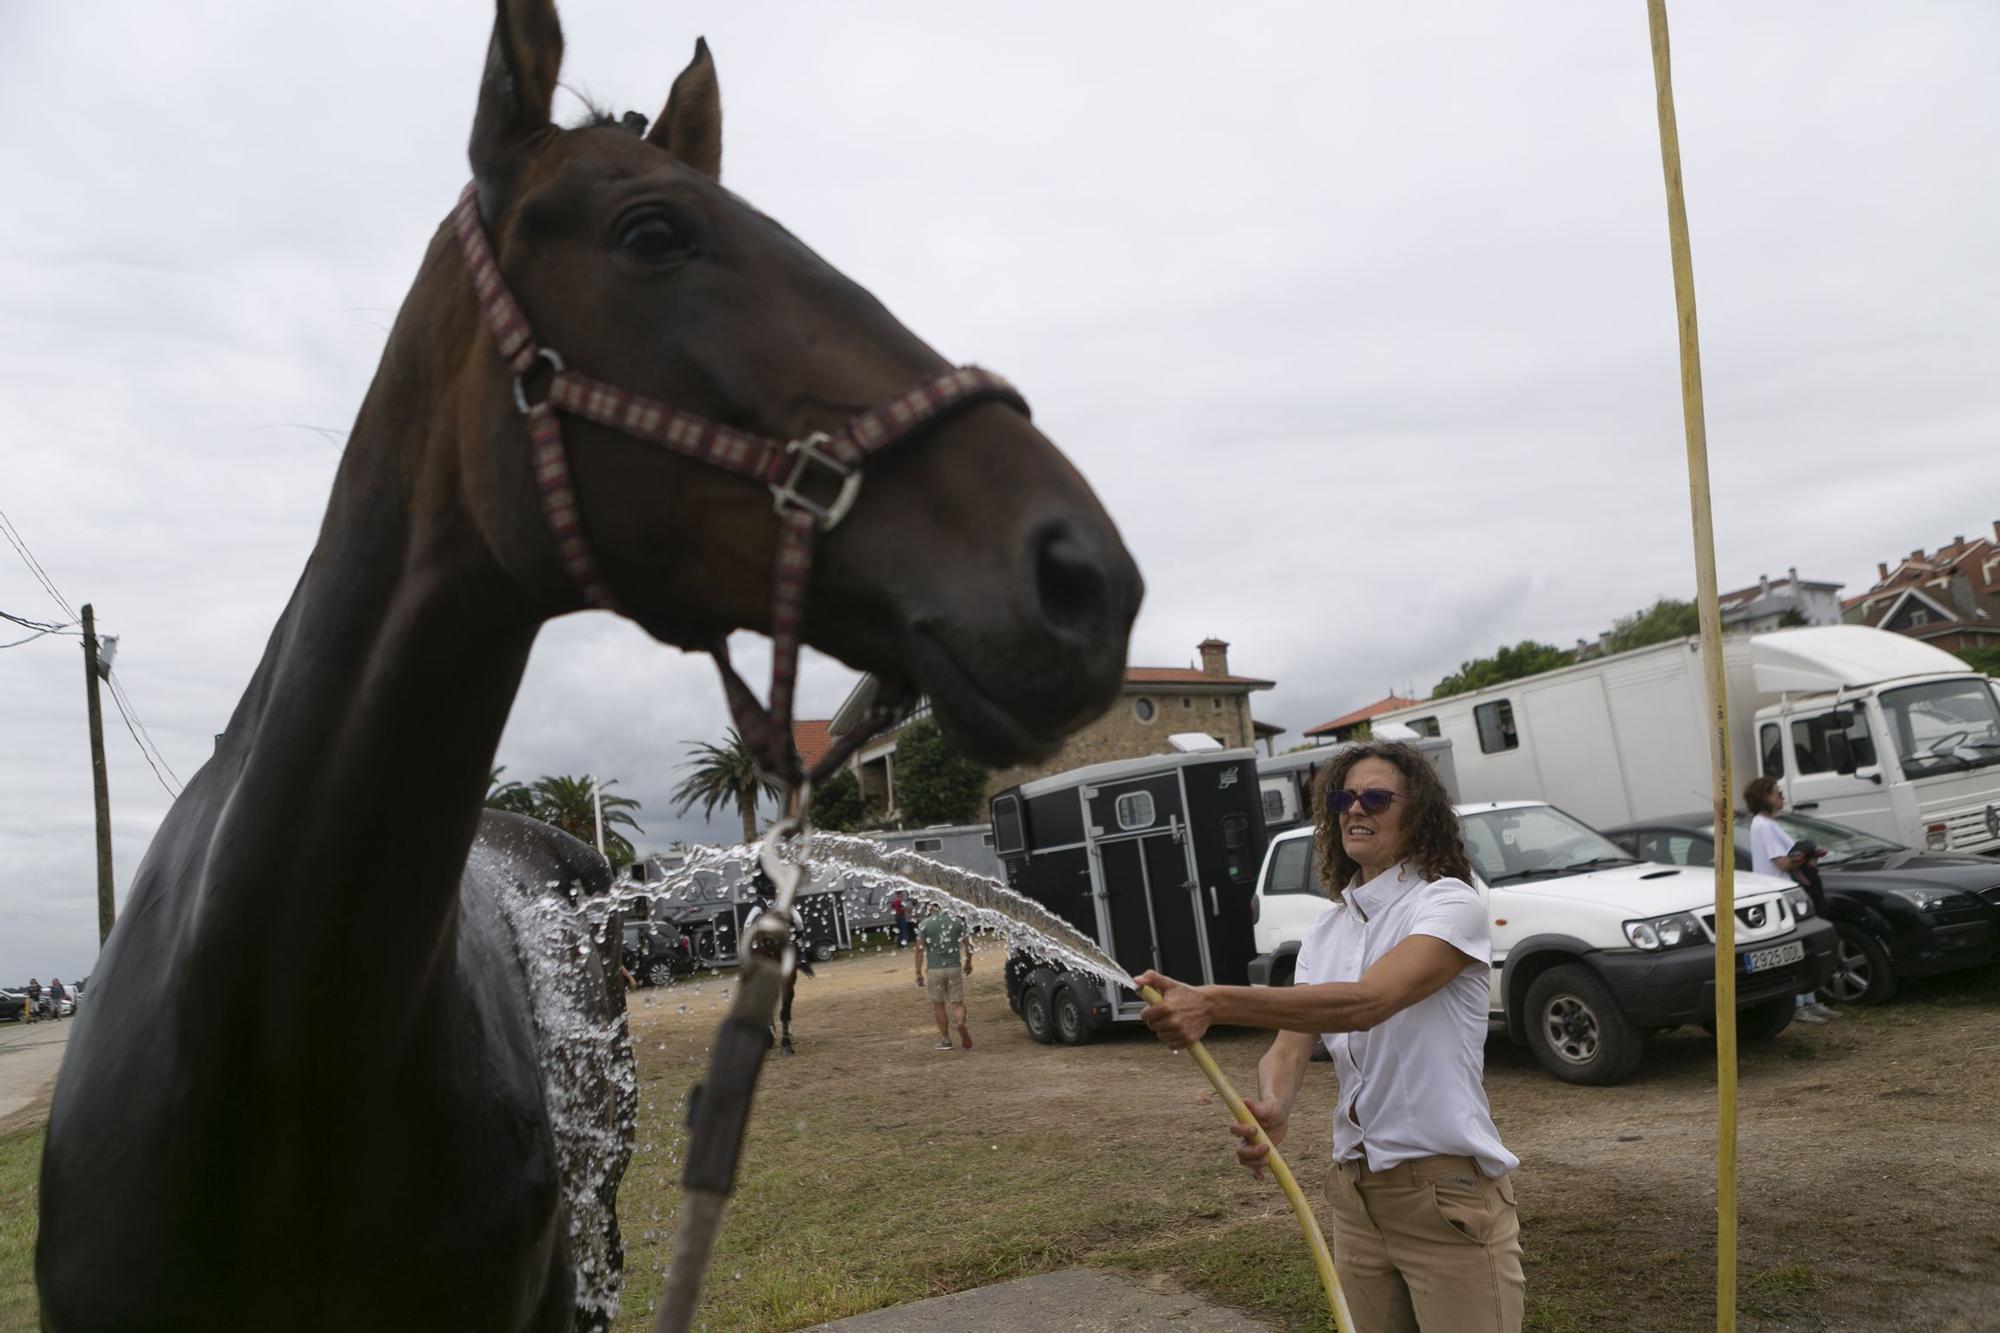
(1068, 583)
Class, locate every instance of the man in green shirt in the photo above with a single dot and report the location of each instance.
(941, 941)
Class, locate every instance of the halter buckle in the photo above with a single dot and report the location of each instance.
(807, 453)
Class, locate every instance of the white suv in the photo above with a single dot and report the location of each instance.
(1594, 950)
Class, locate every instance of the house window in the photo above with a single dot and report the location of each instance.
(1134, 809)
(1425, 726)
(1186, 702)
(1215, 705)
(1496, 727)
(1919, 616)
(1007, 825)
(1142, 708)
(928, 845)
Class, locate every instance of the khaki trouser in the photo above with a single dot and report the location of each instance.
(1427, 1245)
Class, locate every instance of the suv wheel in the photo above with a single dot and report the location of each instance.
(1037, 1012)
(1072, 1017)
(660, 973)
(1762, 1022)
(1861, 971)
(1577, 1030)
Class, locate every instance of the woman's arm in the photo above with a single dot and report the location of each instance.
(1414, 970)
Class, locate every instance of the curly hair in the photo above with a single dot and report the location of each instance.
(1757, 795)
(1434, 845)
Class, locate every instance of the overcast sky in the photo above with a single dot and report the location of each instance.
(1359, 319)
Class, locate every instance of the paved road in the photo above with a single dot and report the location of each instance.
(30, 1054)
(1075, 1300)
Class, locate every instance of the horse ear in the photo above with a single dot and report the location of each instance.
(515, 95)
(691, 126)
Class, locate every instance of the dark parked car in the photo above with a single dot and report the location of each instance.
(13, 1005)
(1900, 912)
(655, 952)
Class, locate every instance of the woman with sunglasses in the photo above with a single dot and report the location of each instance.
(1393, 979)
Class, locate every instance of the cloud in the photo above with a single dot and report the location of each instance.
(1360, 322)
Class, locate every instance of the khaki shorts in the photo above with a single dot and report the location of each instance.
(945, 985)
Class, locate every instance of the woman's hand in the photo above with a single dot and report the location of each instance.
(1273, 1116)
(1183, 1014)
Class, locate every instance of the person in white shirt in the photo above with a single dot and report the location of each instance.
(1775, 852)
(1393, 978)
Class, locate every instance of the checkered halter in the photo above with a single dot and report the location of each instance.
(813, 481)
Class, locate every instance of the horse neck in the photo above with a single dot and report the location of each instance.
(362, 748)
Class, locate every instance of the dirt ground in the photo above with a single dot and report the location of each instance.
(1869, 1179)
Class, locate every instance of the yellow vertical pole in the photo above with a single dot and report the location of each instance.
(1711, 655)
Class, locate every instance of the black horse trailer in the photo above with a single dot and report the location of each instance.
(1153, 858)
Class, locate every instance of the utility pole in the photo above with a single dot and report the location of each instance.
(106, 912)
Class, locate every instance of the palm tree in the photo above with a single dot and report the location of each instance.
(567, 803)
(509, 796)
(722, 773)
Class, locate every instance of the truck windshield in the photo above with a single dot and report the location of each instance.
(1944, 726)
(1535, 842)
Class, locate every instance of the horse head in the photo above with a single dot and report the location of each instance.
(975, 566)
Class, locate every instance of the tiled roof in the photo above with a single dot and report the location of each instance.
(1374, 710)
(812, 740)
(1189, 676)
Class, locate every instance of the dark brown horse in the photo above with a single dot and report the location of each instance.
(312, 1087)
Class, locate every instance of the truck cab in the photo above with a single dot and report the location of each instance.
(1915, 760)
(1594, 950)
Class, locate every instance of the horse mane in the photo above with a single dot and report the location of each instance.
(597, 116)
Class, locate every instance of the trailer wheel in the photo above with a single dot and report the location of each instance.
(822, 950)
(1072, 1018)
(1577, 1030)
(1037, 1011)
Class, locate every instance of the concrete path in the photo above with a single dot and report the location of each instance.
(30, 1054)
(1076, 1300)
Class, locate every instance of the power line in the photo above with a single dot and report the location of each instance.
(31, 638)
(125, 711)
(118, 691)
(20, 545)
(46, 627)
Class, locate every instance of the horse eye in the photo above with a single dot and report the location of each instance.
(650, 236)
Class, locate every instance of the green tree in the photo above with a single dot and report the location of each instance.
(836, 803)
(569, 804)
(1663, 620)
(1982, 659)
(723, 774)
(1526, 658)
(935, 784)
(509, 796)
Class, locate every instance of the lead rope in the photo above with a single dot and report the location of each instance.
(719, 1107)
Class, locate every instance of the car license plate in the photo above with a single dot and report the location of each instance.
(1763, 960)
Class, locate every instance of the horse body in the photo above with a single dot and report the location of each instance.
(348, 1061)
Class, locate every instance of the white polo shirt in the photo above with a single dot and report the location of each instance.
(1768, 842)
(1414, 1086)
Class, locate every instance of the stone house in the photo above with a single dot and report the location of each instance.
(1949, 598)
(1155, 703)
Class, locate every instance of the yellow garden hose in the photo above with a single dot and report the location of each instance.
(1322, 1257)
(1711, 661)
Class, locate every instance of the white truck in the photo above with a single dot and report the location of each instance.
(1862, 726)
(1594, 950)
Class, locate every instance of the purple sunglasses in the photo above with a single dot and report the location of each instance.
(1372, 801)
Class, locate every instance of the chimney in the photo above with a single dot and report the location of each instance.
(1214, 657)
(1793, 575)
(1763, 586)
(1996, 531)
(1882, 568)
(1918, 555)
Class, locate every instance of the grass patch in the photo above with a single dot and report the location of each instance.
(20, 1174)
